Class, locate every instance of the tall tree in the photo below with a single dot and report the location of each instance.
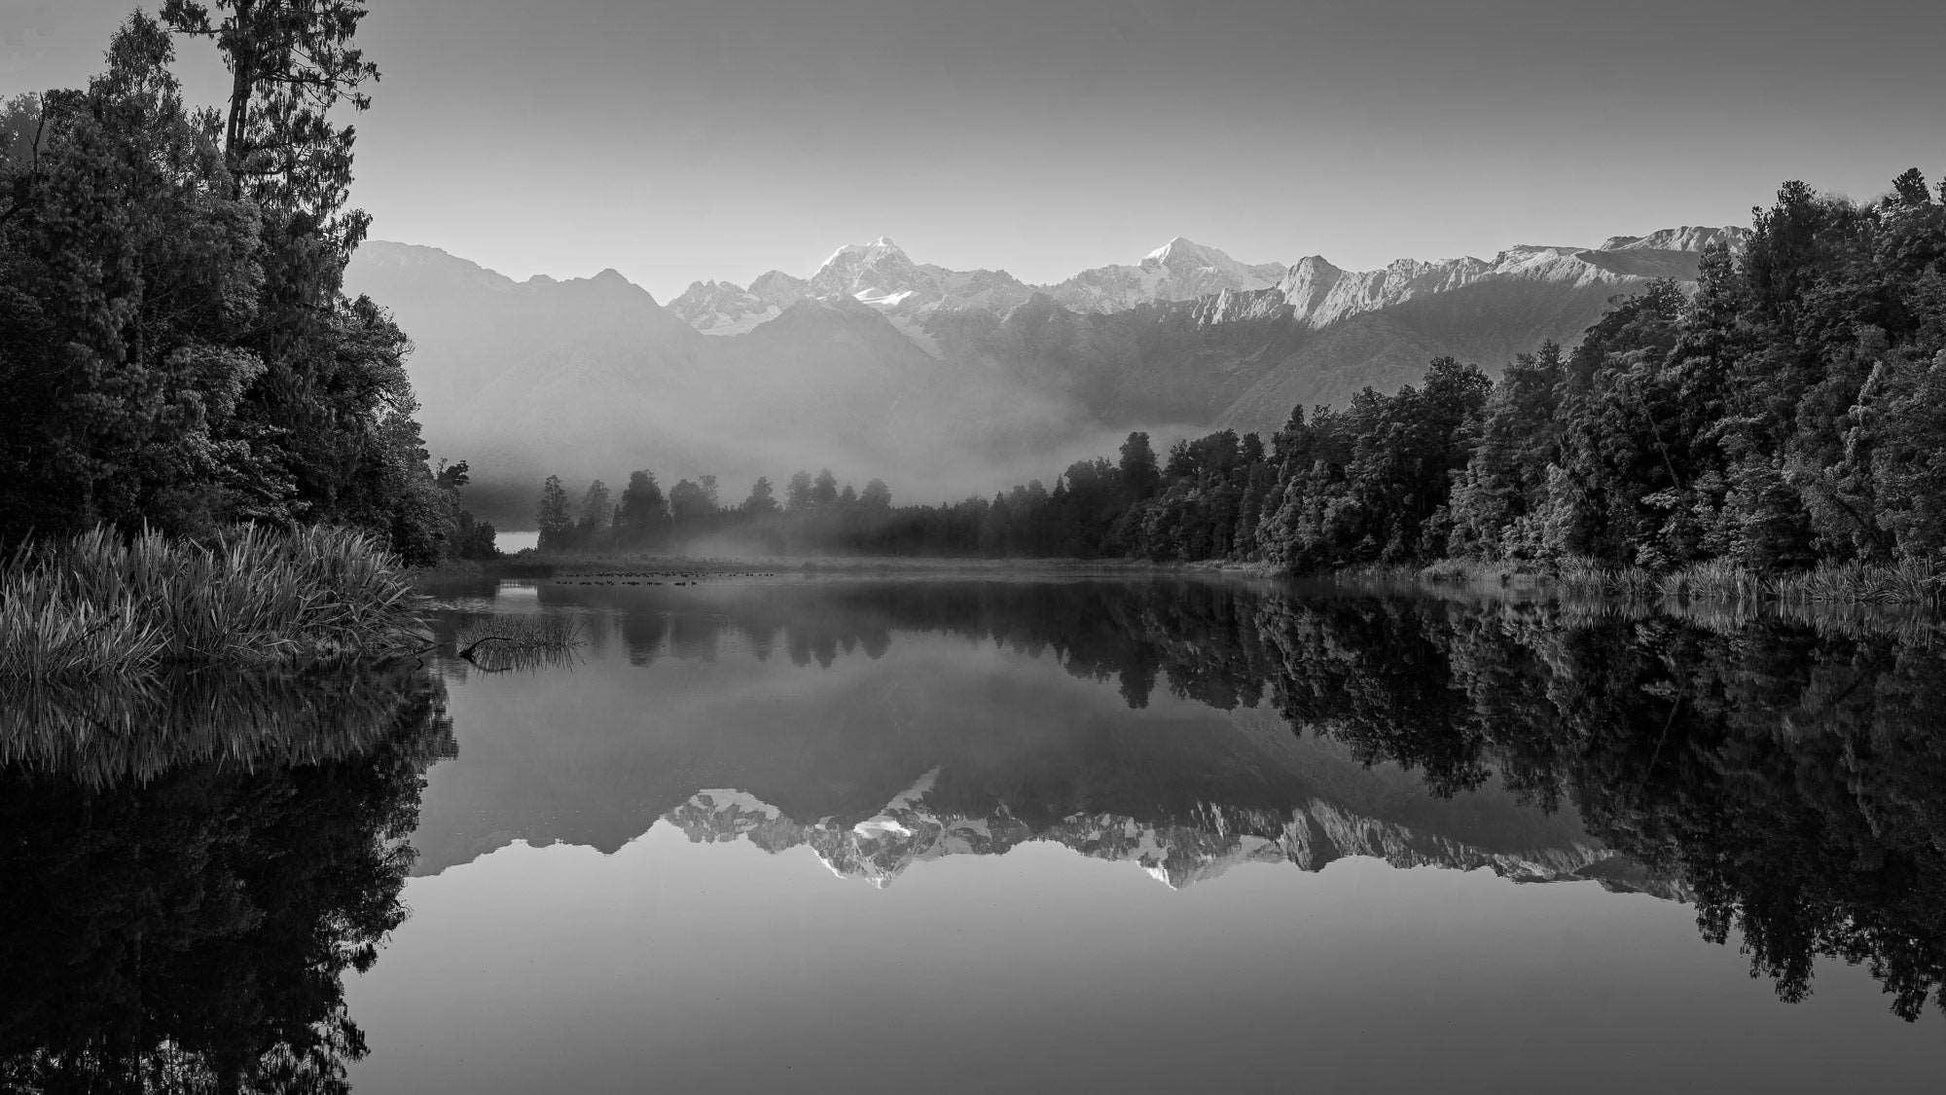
(762, 501)
(291, 62)
(124, 274)
(1140, 476)
(797, 493)
(824, 488)
(596, 513)
(692, 509)
(642, 518)
(556, 524)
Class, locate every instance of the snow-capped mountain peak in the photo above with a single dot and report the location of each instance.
(1312, 293)
(853, 255)
(1180, 270)
(1181, 249)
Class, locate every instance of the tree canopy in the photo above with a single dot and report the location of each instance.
(176, 350)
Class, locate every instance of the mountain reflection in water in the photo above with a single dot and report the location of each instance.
(1788, 778)
(191, 867)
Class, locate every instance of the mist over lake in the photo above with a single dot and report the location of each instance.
(1048, 545)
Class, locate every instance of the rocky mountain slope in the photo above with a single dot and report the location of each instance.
(879, 273)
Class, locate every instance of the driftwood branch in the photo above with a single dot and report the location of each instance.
(476, 643)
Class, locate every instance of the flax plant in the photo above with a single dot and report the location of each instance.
(99, 603)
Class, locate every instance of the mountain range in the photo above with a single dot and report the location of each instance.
(946, 382)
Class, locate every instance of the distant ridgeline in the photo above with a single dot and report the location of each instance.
(1790, 413)
(1785, 776)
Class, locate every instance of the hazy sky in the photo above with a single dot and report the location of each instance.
(720, 138)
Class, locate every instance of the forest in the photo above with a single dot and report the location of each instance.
(176, 350)
(1789, 413)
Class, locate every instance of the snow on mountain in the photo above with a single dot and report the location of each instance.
(1313, 293)
(1686, 238)
(882, 275)
(878, 273)
(1179, 270)
(1320, 294)
(721, 308)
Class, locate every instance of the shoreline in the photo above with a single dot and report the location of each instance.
(1905, 590)
(680, 566)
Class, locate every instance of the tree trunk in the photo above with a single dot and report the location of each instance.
(243, 74)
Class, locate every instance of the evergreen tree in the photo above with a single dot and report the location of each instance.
(824, 489)
(797, 494)
(552, 518)
(762, 501)
(692, 509)
(1139, 474)
(592, 528)
(642, 519)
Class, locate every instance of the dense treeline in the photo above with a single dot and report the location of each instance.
(176, 349)
(1792, 411)
(816, 514)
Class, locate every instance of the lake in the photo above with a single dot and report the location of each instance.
(855, 833)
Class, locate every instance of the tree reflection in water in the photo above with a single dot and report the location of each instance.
(188, 869)
(1790, 769)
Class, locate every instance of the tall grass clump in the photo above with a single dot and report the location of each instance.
(1909, 584)
(103, 604)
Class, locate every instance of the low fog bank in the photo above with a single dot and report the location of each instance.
(507, 492)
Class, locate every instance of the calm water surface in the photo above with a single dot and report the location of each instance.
(845, 834)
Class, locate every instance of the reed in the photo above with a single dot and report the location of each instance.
(99, 603)
(1907, 584)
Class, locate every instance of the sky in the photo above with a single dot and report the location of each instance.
(699, 139)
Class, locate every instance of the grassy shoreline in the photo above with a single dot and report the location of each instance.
(98, 604)
(534, 565)
(1908, 585)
